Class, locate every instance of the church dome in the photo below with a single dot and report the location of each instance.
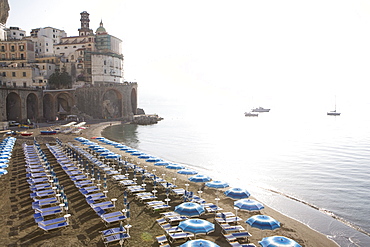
(101, 29)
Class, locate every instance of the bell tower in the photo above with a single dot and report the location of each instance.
(85, 30)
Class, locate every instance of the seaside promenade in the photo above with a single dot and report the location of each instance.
(84, 222)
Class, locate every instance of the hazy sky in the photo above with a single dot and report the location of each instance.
(237, 47)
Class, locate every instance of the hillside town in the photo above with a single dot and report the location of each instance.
(48, 58)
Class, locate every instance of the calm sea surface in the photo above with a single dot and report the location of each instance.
(308, 165)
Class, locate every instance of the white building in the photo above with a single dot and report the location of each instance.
(45, 39)
(15, 33)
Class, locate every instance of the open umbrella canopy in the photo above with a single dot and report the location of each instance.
(197, 226)
(189, 209)
(144, 156)
(248, 204)
(175, 166)
(161, 163)
(263, 222)
(217, 184)
(199, 178)
(278, 241)
(199, 243)
(237, 193)
(153, 160)
(187, 172)
(3, 171)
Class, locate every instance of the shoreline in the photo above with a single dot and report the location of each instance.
(20, 228)
(292, 225)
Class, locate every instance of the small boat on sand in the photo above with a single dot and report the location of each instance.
(48, 132)
(26, 133)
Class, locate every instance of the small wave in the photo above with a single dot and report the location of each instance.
(325, 211)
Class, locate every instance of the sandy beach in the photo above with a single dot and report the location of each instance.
(20, 229)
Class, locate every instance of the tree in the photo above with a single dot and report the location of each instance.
(59, 80)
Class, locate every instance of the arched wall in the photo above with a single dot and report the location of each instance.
(13, 107)
(48, 107)
(32, 106)
(112, 104)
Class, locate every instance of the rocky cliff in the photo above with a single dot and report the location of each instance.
(4, 11)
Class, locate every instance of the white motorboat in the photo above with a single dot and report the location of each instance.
(260, 109)
(250, 114)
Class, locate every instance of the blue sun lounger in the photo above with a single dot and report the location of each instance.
(115, 238)
(52, 221)
(43, 210)
(113, 219)
(103, 214)
(112, 231)
(101, 204)
(53, 226)
(237, 235)
(46, 202)
(179, 235)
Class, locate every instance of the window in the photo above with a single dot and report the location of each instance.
(12, 48)
(2, 48)
(22, 56)
(21, 47)
(65, 47)
(13, 74)
(24, 74)
(105, 71)
(58, 48)
(47, 50)
(105, 62)
(74, 46)
(3, 56)
(13, 56)
(4, 74)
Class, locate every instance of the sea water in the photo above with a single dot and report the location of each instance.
(301, 162)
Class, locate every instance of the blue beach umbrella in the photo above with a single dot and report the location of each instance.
(4, 165)
(199, 243)
(189, 209)
(197, 226)
(175, 166)
(263, 222)
(278, 241)
(136, 153)
(187, 172)
(3, 171)
(144, 156)
(125, 148)
(217, 184)
(199, 178)
(248, 204)
(161, 163)
(237, 193)
(153, 160)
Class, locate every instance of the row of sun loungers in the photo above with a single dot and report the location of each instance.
(47, 206)
(96, 198)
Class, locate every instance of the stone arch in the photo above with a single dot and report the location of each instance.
(112, 104)
(13, 107)
(64, 103)
(134, 101)
(48, 107)
(32, 103)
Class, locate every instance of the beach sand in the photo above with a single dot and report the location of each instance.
(20, 229)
